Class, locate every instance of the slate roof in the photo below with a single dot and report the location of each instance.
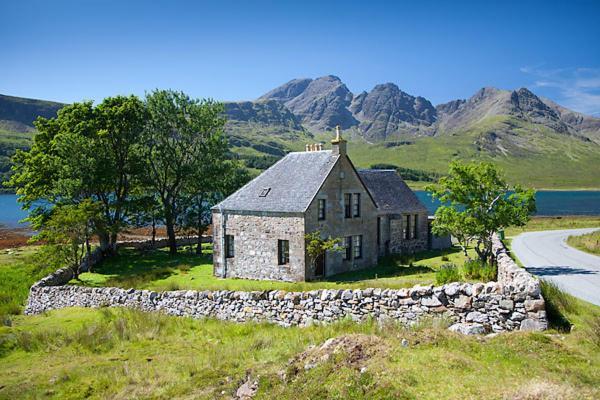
(290, 184)
(390, 192)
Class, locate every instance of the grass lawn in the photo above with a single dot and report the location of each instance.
(551, 223)
(589, 243)
(122, 354)
(158, 271)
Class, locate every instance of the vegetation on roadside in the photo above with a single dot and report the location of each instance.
(589, 242)
(551, 223)
(476, 201)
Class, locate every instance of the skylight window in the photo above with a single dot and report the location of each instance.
(264, 192)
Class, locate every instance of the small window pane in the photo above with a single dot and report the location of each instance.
(229, 246)
(348, 245)
(283, 251)
(414, 226)
(348, 205)
(321, 209)
(358, 246)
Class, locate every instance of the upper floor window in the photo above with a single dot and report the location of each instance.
(356, 205)
(283, 252)
(347, 205)
(406, 230)
(229, 246)
(321, 209)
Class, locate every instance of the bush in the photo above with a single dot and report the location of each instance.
(445, 258)
(558, 303)
(446, 274)
(475, 269)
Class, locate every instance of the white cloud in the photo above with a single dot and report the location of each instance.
(574, 88)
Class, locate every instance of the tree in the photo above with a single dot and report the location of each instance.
(67, 233)
(182, 136)
(476, 202)
(316, 246)
(204, 190)
(85, 153)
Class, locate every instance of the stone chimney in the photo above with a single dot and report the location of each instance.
(338, 144)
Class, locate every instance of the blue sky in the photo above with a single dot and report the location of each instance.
(229, 50)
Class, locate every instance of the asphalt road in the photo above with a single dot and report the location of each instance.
(547, 255)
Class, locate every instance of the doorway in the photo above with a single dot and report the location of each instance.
(320, 265)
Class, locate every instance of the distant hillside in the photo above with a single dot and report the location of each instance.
(536, 141)
(17, 114)
(16, 126)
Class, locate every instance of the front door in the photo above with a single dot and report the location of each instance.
(320, 265)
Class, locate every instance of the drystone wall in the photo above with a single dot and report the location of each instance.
(512, 303)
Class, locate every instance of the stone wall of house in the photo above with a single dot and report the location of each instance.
(512, 303)
(399, 245)
(344, 179)
(256, 246)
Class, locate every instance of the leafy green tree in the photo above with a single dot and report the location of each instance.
(67, 233)
(317, 246)
(182, 136)
(204, 190)
(476, 202)
(86, 152)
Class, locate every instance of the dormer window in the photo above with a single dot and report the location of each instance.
(264, 192)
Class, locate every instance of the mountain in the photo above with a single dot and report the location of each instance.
(536, 141)
(321, 103)
(387, 110)
(17, 113)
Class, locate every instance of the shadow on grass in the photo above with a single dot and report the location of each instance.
(133, 268)
(393, 266)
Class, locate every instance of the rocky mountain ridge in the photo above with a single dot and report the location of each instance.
(386, 111)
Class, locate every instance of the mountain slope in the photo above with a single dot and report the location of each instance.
(387, 110)
(538, 142)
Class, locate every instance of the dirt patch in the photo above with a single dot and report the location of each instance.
(352, 350)
(14, 237)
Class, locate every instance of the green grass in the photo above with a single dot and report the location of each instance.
(589, 242)
(19, 269)
(158, 271)
(115, 353)
(550, 223)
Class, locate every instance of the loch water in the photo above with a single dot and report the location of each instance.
(549, 203)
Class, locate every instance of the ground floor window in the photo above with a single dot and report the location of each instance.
(414, 226)
(283, 252)
(357, 246)
(229, 246)
(348, 246)
(406, 230)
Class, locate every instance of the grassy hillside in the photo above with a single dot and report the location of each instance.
(530, 154)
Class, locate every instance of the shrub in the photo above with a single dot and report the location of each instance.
(557, 304)
(475, 269)
(445, 258)
(446, 274)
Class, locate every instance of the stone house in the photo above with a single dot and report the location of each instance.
(259, 230)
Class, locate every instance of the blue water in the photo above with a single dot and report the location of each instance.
(548, 203)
